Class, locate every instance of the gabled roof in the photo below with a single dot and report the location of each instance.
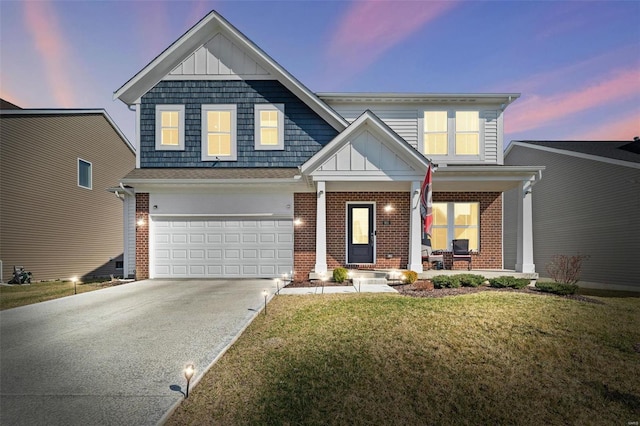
(67, 112)
(198, 35)
(369, 141)
(617, 152)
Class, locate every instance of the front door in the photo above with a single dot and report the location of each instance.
(360, 233)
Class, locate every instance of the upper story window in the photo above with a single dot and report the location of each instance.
(435, 133)
(219, 132)
(453, 221)
(452, 133)
(269, 126)
(170, 127)
(467, 132)
(84, 174)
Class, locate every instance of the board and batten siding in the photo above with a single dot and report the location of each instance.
(582, 206)
(49, 224)
(406, 122)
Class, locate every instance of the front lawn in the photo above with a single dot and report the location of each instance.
(20, 295)
(485, 358)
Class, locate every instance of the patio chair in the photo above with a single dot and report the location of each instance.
(437, 260)
(461, 251)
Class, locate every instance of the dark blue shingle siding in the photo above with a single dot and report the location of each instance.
(305, 132)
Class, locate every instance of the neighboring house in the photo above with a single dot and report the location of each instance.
(588, 203)
(242, 171)
(56, 217)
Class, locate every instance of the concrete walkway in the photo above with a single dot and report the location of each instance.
(116, 356)
(363, 288)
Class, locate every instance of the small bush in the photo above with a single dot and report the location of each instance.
(566, 269)
(446, 281)
(557, 288)
(340, 275)
(509, 281)
(470, 280)
(410, 277)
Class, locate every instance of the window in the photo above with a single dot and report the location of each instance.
(84, 174)
(219, 133)
(453, 221)
(452, 133)
(170, 127)
(467, 133)
(269, 126)
(435, 133)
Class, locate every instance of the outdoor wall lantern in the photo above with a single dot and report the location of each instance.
(388, 208)
(297, 221)
(140, 222)
(265, 293)
(75, 280)
(188, 374)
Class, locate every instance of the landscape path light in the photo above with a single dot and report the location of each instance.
(265, 293)
(188, 374)
(75, 280)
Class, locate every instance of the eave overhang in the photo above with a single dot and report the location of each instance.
(484, 178)
(501, 99)
(199, 34)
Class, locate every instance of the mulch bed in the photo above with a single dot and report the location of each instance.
(425, 289)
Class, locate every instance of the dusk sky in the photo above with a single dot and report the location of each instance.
(576, 63)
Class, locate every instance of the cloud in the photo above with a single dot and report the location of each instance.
(371, 27)
(539, 110)
(624, 128)
(42, 23)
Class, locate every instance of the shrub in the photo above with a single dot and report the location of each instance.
(566, 269)
(446, 281)
(557, 288)
(509, 281)
(410, 277)
(470, 280)
(340, 275)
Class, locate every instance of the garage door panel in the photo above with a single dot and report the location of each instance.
(252, 248)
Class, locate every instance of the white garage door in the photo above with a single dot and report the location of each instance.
(203, 248)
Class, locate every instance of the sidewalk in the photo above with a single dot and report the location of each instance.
(362, 288)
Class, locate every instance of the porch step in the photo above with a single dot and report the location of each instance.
(369, 281)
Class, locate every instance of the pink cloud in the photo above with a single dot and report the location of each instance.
(371, 27)
(41, 21)
(624, 128)
(539, 110)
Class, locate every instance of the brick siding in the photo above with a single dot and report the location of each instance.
(392, 238)
(490, 254)
(142, 236)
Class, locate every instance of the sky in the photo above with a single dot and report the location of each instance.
(575, 63)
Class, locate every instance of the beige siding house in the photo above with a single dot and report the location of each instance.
(587, 203)
(57, 218)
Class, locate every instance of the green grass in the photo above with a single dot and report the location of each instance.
(20, 295)
(485, 358)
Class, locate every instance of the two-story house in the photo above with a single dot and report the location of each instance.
(242, 171)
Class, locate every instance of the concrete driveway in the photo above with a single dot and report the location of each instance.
(116, 356)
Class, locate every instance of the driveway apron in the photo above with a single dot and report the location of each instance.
(116, 356)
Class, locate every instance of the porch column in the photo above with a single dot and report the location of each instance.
(321, 228)
(524, 261)
(415, 237)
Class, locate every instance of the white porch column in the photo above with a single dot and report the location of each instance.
(524, 260)
(321, 228)
(415, 237)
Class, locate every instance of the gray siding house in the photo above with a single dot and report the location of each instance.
(587, 203)
(56, 217)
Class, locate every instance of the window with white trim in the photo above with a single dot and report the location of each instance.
(435, 133)
(454, 221)
(219, 133)
(84, 174)
(452, 133)
(467, 132)
(170, 127)
(269, 126)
